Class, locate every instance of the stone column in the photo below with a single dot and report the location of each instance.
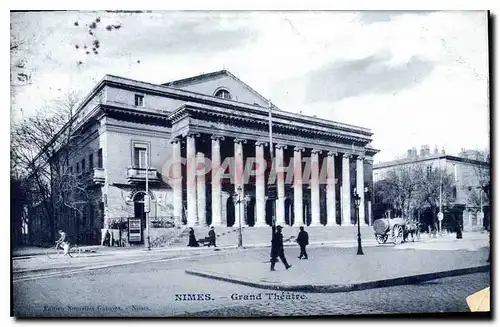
(201, 189)
(280, 182)
(176, 179)
(216, 181)
(192, 214)
(260, 186)
(297, 187)
(370, 221)
(315, 208)
(346, 191)
(360, 187)
(238, 180)
(330, 190)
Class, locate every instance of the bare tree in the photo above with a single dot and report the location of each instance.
(480, 193)
(41, 149)
(399, 188)
(435, 187)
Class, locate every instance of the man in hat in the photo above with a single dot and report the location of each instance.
(211, 237)
(277, 249)
(302, 240)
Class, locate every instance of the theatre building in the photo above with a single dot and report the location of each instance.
(140, 131)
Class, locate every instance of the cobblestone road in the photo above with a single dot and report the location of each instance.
(151, 289)
(441, 295)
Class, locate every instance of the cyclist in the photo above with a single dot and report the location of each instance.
(62, 243)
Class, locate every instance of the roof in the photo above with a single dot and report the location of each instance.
(430, 157)
(188, 80)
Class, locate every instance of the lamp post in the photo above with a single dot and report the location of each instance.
(357, 200)
(440, 214)
(237, 199)
(271, 148)
(146, 201)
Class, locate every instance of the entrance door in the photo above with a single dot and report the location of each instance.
(139, 209)
(230, 212)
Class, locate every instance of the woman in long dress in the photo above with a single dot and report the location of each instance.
(192, 238)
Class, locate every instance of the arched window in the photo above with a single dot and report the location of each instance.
(223, 93)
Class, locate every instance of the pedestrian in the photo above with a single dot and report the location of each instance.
(211, 237)
(192, 238)
(458, 229)
(303, 241)
(277, 249)
(107, 238)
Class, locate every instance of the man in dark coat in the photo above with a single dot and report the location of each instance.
(277, 249)
(211, 237)
(107, 238)
(192, 239)
(303, 240)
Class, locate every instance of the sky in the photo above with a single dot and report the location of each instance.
(413, 78)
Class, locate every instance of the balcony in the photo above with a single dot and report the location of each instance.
(99, 176)
(138, 175)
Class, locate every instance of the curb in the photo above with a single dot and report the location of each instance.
(338, 288)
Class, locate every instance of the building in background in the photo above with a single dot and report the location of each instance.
(470, 171)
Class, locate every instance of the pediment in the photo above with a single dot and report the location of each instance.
(220, 82)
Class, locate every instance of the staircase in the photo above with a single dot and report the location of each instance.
(179, 240)
(228, 236)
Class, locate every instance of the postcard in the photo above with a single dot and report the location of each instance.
(250, 163)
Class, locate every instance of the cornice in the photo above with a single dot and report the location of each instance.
(201, 99)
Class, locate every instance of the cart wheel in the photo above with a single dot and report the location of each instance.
(381, 239)
(397, 234)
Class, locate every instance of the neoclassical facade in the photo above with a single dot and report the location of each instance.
(202, 139)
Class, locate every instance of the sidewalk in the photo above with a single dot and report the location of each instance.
(341, 270)
(31, 251)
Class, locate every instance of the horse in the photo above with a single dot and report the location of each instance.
(412, 228)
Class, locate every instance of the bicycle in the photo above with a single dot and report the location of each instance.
(54, 252)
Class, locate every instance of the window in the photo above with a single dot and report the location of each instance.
(99, 158)
(91, 161)
(140, 151)
(429, 171)
(71, 170)
(77, 167)
(83, 165)
(223, 94)
(139, 100)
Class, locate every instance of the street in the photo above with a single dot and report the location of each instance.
(159, 286)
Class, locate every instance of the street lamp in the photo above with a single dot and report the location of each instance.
(440, 214)
(147, 200)
(237, 199)
(357, 200)
(271, 148)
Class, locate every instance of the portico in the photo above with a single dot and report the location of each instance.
(317, 164)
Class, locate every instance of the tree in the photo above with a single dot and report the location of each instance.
(480, 192)
(399, 189)
(41, 149)
(415, 186)
(435, 188)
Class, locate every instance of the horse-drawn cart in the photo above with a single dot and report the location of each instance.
(397, 229)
